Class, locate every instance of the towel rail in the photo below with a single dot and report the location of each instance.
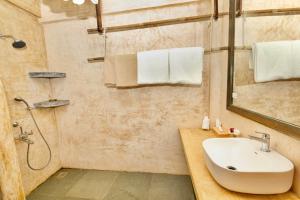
(272, 12)
(208, 51)
(207, 17)
(167, 22)
(95, 59)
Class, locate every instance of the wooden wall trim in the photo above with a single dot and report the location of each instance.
(167, 22)
(182, 20)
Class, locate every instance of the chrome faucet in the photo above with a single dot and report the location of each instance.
(24, 135)
(265, 139)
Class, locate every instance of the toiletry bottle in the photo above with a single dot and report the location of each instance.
(219, 125)
(205, 123)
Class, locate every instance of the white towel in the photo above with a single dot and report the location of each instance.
(186, 65)
(295, 71)
(276, 60)
(153, 67)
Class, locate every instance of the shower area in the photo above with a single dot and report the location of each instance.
(62, 123)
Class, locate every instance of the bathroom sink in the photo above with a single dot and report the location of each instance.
(239, 165)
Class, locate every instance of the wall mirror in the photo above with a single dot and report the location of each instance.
(264, 63)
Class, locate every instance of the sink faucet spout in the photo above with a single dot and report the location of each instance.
(265, 139)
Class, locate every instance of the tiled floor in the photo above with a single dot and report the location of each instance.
(75, 184)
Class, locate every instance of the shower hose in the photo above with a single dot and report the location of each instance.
(45, 141)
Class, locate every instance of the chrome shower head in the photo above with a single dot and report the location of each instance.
(17, 44)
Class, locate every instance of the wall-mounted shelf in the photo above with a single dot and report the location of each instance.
(52, 103)
(47, 75)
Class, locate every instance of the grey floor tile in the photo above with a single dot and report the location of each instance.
(59, 184)
(73, 184)
(170, 187)
(93, 185)
(43, 197)
(130, 186)
(71, 198)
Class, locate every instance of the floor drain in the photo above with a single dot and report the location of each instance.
(231, 168)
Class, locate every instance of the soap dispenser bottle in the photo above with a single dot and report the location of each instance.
(205, 123)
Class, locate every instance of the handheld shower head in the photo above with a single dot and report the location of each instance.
(20, 99)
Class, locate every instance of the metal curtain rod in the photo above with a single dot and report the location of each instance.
(213, 50)
(207, 17)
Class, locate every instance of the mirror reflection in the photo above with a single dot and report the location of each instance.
(267, 67)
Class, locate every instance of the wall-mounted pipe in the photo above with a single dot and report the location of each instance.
(99, 17)
(216, 9)
(239, 8)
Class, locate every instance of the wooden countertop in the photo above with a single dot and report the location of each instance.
(205, 187)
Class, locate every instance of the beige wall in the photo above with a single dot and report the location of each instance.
(128, 129)
(288, 146)
(10, 176)
(32, 6)
(14, 67)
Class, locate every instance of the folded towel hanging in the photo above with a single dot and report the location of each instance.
(109, 71)
(186, 65)
(276, 60)
(295, 67)
(126, 71)
(153, 67)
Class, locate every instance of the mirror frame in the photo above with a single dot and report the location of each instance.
(279, 125)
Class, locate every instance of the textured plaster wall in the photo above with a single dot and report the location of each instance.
(14, 67)
(10, 176)
(128, 129)
(32, 6)
(286, 145)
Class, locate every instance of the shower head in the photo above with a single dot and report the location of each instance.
(20, 99)
(17, 44)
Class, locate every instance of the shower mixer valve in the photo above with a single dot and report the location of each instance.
(24, 135)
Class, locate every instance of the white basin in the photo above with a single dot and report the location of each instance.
(239, 165)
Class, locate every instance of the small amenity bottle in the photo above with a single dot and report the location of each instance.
(205, 123)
